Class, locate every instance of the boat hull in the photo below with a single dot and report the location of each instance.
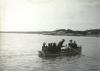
(64, 52)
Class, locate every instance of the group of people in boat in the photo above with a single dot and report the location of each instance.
(53, 47)
(72, 44)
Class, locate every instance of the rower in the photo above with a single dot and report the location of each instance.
(60, 45)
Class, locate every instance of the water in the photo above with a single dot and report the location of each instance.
(19, 52)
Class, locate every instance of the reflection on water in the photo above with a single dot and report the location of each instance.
(19, 52)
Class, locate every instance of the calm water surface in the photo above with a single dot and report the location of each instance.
(19, 52)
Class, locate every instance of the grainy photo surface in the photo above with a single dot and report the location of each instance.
(49, 35)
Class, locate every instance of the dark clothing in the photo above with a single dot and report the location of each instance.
(74, 45)
(60, 45)
(53, 47)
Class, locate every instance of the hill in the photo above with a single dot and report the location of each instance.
(69, 32)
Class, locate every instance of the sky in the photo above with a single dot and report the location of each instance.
(45, 15)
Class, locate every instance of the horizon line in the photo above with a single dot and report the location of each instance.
(41, 31)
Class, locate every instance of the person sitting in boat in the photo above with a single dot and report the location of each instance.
(74, 45)
(60, 45)
(44, 47)
(70, 44)
(52, 47)
(49, 46)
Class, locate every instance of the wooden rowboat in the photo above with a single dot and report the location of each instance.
(64, 52)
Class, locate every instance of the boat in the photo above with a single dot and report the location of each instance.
(63, 52)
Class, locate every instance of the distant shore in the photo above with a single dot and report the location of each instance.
(69, 32)
(63, 32)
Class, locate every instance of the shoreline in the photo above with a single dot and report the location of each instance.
(51, 34)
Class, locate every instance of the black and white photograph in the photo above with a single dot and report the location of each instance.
(49, 35)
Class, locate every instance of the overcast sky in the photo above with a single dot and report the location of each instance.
(43, 15)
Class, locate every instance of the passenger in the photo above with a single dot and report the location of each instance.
(50, 47)
(54, 45)
(43, 47)
(54, 48)
(74, 45)
(70, 44)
